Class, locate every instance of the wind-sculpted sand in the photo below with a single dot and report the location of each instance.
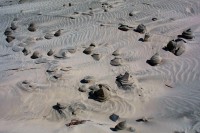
(71, 66)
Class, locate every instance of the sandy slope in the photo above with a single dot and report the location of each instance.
(170, 94)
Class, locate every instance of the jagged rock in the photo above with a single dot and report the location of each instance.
(124, 27)
(127, 82)
(177, 47)
(101, 93)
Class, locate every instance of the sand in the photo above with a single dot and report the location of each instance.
(46, 94)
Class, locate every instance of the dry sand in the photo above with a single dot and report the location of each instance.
(156, 91)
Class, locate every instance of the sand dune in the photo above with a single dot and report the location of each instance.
(68, 65)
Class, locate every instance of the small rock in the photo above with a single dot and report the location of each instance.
(114, 117)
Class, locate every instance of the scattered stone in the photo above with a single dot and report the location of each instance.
(63, 53)
(57, 33)
(154, 19)
(146, 37)
(100, 93)
(8, 32)
(117, 61)
(96, 56)
(116, 52)
(26, 51)
(48, 36)
(32, 27)
(13, 26)
(114, 117)
(88, 79)
(82, 88)
(177, 47)
(188, 34)
(10, 38)
(141, 28)
(142, 120)
(89, 49)
(50, 53)
(155, 60)
(124, 27)
(36, 55)
(121, 126)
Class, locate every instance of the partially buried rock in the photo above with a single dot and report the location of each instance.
(117, 61)
(89, 49)
(48, 36)
(124, 27)
(101, 93)
(41, 60)
(71, 50)
(146, 37)
(155, 60)
(127, 82)
(26, 51)
(10, 38)
(32, 27)
(36, 55)
(114, 117)
(121, 126)
(88, 79)
(57, 33)
(50, 53)
(96, 56)
(116, 52)
(8, 32)
(13, 26)
(141, 28)
(177, 47)
(63, 54)
(188, 34)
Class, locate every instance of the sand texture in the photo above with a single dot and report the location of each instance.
(99, 66)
